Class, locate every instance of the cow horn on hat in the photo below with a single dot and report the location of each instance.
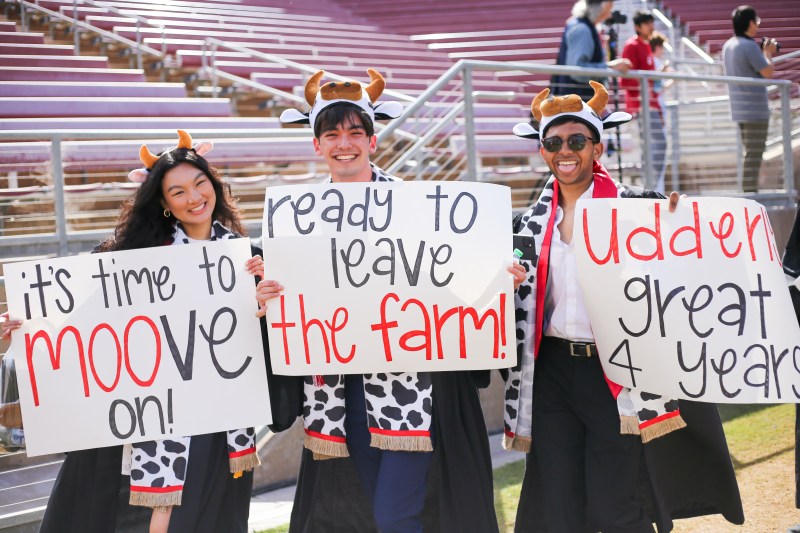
(147, 157)
(536, 104)
(312, 87)
(376, 85)
(184, 140)
(600, 98)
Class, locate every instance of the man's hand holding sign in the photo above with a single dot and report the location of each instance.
(690, 304)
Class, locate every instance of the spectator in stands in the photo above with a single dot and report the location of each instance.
(581, 47)
(744, 57)
(637, 50)
(658, 43)
(582, 433)
(393, 465)
(181, 199)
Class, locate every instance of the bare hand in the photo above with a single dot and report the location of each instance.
(265, 291)
(255, 266)
(770, 47)
(674, 196)
(622, 64)
(519, 273)
(10, 415)
(9, 325)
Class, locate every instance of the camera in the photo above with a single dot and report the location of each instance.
(765, 41)
(617, 17)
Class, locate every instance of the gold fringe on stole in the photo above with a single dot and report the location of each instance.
(401, 443)
(244, 462)
(328, 448)
(517, 443)
(156, 499)
(320, 457)
(659, 429)
(628, 425)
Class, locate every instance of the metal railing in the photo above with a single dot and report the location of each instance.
(137, 47)
(62, 238)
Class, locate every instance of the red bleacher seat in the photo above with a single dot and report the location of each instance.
(88, 88)
(20, 107)
(68, 62)
(21, 38)
(70, 74)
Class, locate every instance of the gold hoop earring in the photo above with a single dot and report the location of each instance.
(167, 214)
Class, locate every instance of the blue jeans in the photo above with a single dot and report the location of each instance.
(393, 480)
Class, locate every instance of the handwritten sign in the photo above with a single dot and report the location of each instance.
(389, 277)
(691, 304)
(137, 345)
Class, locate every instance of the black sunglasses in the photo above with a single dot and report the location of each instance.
(575, 142)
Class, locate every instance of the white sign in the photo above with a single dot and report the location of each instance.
(691, 304)
(137, 345)
(389, 277)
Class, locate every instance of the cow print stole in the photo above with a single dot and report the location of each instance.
(399, 413)
(158, 468)
(641, 413)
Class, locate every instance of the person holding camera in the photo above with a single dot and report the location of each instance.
(744, 57)
(637, 50)
(581, 47)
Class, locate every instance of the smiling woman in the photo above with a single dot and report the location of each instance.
(200, 483)
(189, 195)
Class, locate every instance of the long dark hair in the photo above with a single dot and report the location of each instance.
(141, 221)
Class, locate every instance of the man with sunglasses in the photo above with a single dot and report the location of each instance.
(583, 434)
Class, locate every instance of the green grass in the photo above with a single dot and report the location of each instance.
(507, 486)
(755, 433)
(279, 529)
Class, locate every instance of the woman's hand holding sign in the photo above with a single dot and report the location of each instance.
(9, 325)
(265, 291)
(255, 266)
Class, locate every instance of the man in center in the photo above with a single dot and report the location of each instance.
(425, 467)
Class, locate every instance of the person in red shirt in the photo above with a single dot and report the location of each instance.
(637, 50)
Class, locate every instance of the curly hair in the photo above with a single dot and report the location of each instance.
(141, 222)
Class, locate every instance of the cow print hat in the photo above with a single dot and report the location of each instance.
(320, 97)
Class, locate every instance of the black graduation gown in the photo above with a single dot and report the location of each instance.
(90, 494)
(684, 474)
(459, 499)
(791, 265)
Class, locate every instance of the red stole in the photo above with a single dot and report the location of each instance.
(604, 187)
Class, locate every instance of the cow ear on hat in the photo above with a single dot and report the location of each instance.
(387, 110)
(525, 130)
(293, 116)
(203, 147)
(615, 119)
(138, 176)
